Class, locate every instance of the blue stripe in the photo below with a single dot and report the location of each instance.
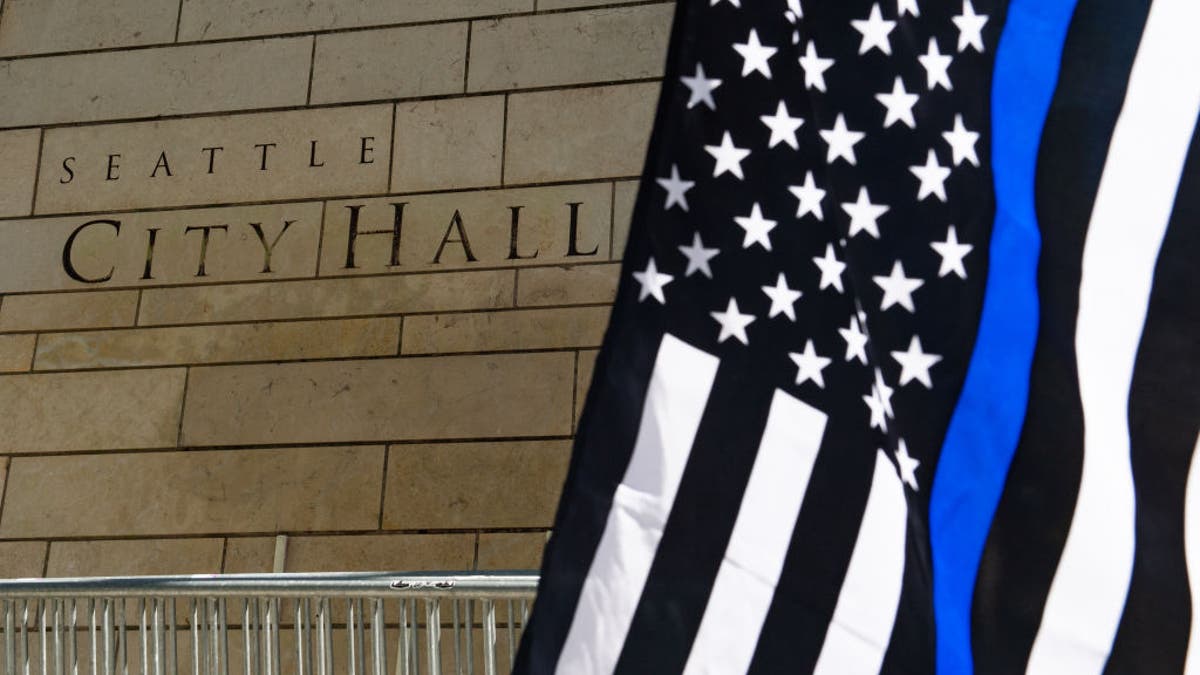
(986, 425)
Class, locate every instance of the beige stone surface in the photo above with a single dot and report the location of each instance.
(134, 556)
(327, 297)
(447, 397)
(600, 45)
(505, 330)
(390, 63)
(511, 550)
(307, 153)
(22, 559)
(448, 143)
(60, 412)
(579, 134)
(293, 489)
(18, 162)
(380, 553)
(42, 26)
(158, 81)
(474, 485)
(214, 19)
(623, 202)
(16, 352)
(288, 341)
(59, 311)
(543, 228)
(247, 555)
(111, 250)
(544, 5)
(583, 378)
(567, 285)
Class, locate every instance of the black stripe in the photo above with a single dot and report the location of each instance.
(1163, 424)
(1035, 511)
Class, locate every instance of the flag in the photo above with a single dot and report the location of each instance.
(903, 374)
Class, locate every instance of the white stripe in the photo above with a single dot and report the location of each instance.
(745, 583)
(1129, 218)
(1191, 549)
(862, 622)
(679, 389)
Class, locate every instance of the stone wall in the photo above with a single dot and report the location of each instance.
(329, 269)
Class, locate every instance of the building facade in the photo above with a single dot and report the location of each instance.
(303, 285)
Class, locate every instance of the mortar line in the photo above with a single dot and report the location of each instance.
(137, 310)
(504, 140)
(387, 455)
(37, 172)
(178, 21)
(184, 536)
(320, 239)
(612, 224)
(224, 552)
(467, 57)
(392, 145)
(182, 407)
(575, 395)
(312, 66)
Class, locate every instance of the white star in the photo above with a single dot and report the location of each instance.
(915, 364)
(676, 189)
(831, 269)
(652, 283)
(864, 216)
(757, 228)
(735, 3)
(932, 176)
(783, 127)
(733, 323)
(729, 157)
(793, 14)
(878, 416)
(810, 197)
(782, 298)
(856, 341)
(907, 7)
(907, 465)
(814, 68)
(952, 254)
(897, 288)
(701, 88)
(698, 257)
(885, 393)
(899, 105)
(755, 55)
(809, 365)
(841, 141)
(937, 66)
(970, 27)
(962, 142)
(875, 31)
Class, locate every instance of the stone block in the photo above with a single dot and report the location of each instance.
(380, 553)
(39, 26)
(565, 327)
(486, 396)
(399, 294)
(389, 63)
(61, 311)
(249, 555)
(204, 160)
(18, 162)
(545, 50)
(546, 5)
(293, 340)
(172, 80)
(223, 491)
(583, 378)
(217, 19)
(457, 230)
(579, 134)
(448, 143)
(63, 412)
(16, 352)
(22, 559)
(474, 485)
(511, 550)
(125, 557)
(567, 285)
(624, 197)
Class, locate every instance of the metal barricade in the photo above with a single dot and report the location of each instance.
(265, 624)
